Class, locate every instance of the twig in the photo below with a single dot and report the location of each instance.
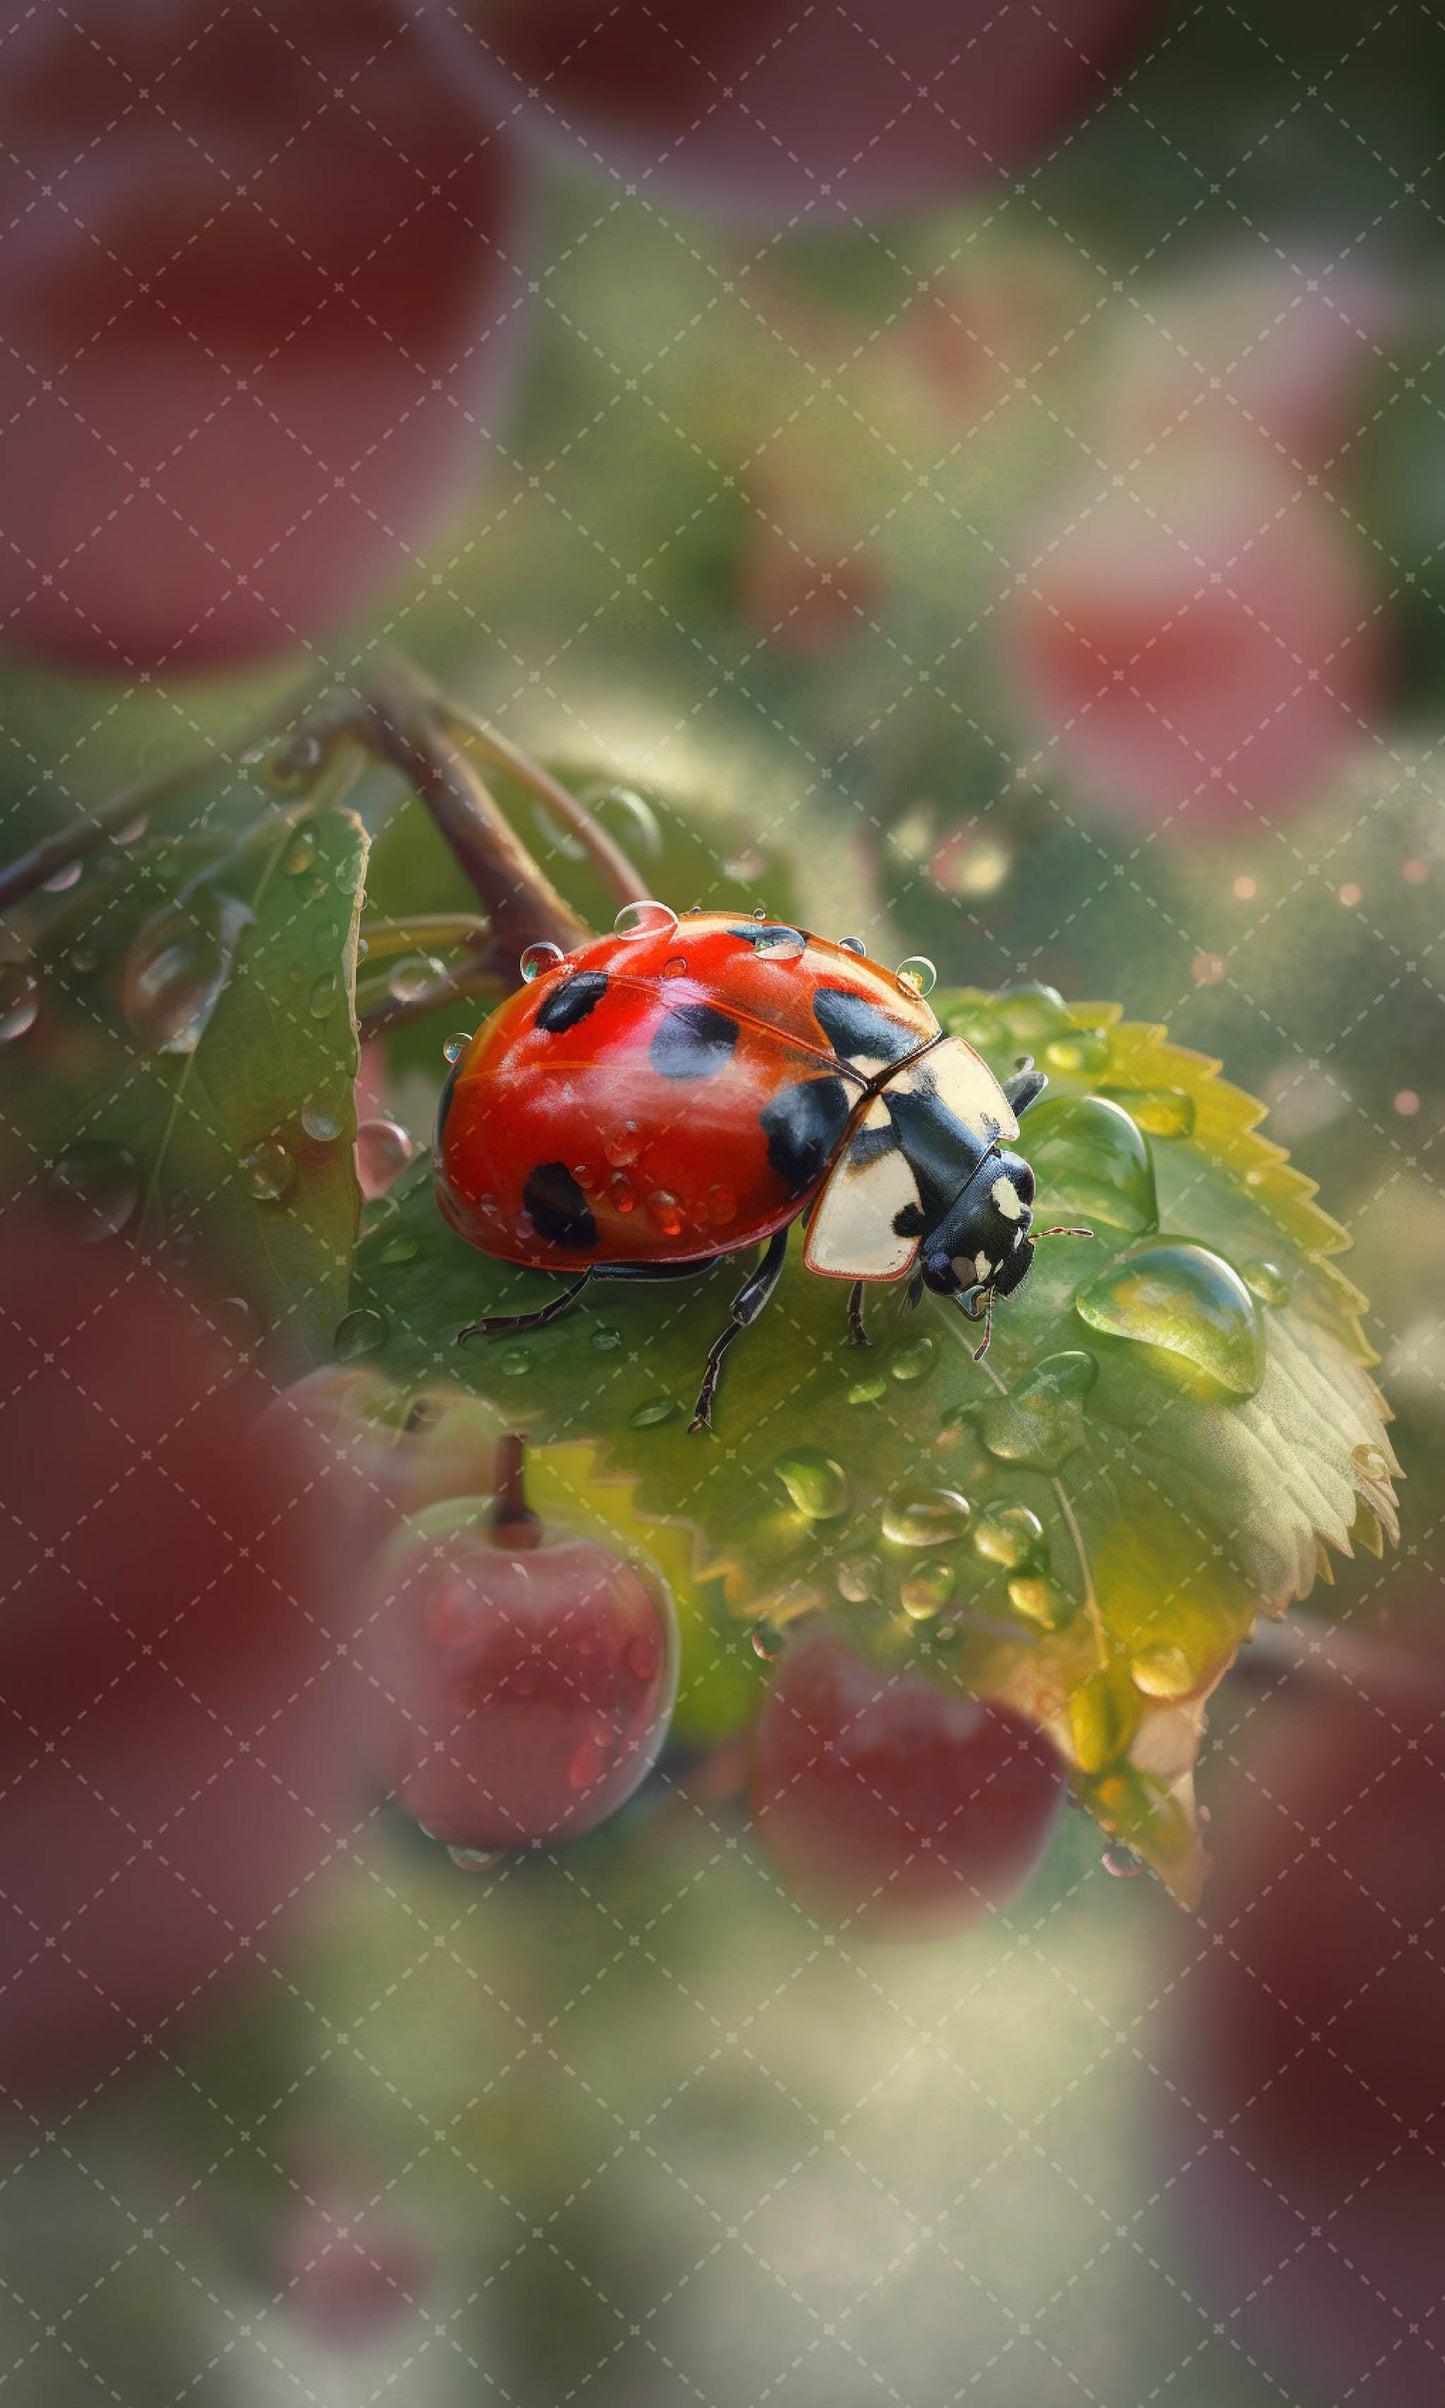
(479, 974)
(622, 879)
(428, 931)
(521, 902)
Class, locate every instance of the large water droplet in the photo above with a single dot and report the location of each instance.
(268, 1171)
(1040, 1423)
(323, 996)
(924, 1517)
(359, 1333)
(917, 974)
(1266, 1281)
(1186, 1301)
(176, 967)
(1032, 1011)
(816, 1484)
(1089, 1157)
(913, 1361)
(456, 1046)
(91, 1192)
(775, 943)
(1010, 1535)
(19, 1000)
(539, 959)
(1159, 1111)
(1082, 1053)
(622, 1144)
(1040, 1601)
(664, 1212)
(301, 851)
(852, 944)
(383, 1150)
(857, 1578)
(644, 919)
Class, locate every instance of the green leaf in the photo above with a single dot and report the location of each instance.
(1174, 1422)
(202, 1034)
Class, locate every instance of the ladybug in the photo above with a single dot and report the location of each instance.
(689, 1087)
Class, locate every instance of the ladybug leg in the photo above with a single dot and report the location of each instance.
(747, 1304)
(498, 1325)
(857, 1334)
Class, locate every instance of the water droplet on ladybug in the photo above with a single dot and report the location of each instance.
(852, 944)
(589, 1762)
(760, 911)
(722, 1206)
(619, 1188)
(92, 1191)
(456, 1046)
(19, 1001)
(622, 1146)
(63, 880)
(643, 1658)
(779, 944)
(268, 1171)
(585, 1177)
(359, 1333)
(918, 974)
(539, 959)
(524, 1227)
(644, 919)
(383, 1150)
(664, 1212)
(676, 967)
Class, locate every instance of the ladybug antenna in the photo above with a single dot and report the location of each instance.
(982, 1348)
(976, 1304)
(513, 1522)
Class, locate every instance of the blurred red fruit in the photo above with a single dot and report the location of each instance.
(892, 1804)
(1199, 639)
(256, 283)
(347, 2277)
(1306, 2043)
(530, 1673)
(801, 605)
(175, 1740)
(1252, 349)
(771, 111)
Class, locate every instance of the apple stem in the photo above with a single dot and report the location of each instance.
(513, 1520)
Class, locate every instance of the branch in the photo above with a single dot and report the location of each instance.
(622, 879)
(482, 973)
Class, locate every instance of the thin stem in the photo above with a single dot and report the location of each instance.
(622, 879)
(478, 974)
(428, 932)
(521, 902)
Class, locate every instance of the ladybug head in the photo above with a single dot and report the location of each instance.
(982, 1242)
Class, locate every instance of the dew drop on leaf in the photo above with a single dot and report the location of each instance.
(268, 1171)
(324, 993)
(1158, 1111)
(360, 1333)
(644, 919)
(924, 1517)
(857, 1578)
(1010, 1535)
(1083, 1052)
(1266, 1281)
(383, 1150)
(817, 1486)
(1186, 1301)
(176, 968)
(913, 1361)
(1163, 1671)
(868, 1391)
(1040, 1601)
(19, 1000)
(91, 1191)
(652, 1414)
(539, 959)
(300, 853)
(323, 1121)
(606, 1341)
(1032, 1011)
(1041, 1422)
(927, 1591)
(1089, 1156)
(515, 1363)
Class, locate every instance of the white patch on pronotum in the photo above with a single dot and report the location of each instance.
(982, 1266)
(1006, 1199)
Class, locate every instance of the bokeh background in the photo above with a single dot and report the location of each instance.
(1037, 563)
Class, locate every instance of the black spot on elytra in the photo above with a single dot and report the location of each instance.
(559, 1210)
(910, 1221)
(695, 1041)
(802, 1126)
(853, 1026)
(572, 1001)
